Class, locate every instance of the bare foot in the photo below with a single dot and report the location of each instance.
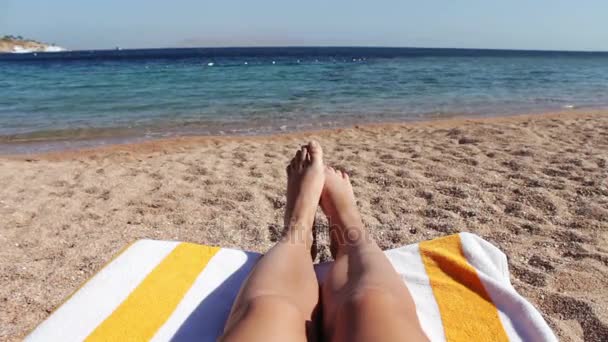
(339, 205)
(305, 179)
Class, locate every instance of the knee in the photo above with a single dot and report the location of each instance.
(366, 300)
(356, 312)
(256, 319)
(269, 305)
(376, 314)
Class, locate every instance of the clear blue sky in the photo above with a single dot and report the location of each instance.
(511, 24)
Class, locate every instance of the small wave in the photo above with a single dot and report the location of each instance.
(541, 72)
(548, 100)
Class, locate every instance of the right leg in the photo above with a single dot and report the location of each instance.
(363, 298)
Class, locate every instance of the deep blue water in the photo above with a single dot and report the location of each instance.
(104, 96)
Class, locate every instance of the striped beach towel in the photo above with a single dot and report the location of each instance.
(161, 291)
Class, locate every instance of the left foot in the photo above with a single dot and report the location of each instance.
(305, 179)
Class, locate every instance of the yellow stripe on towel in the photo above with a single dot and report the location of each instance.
(467, 311)
(149, 306)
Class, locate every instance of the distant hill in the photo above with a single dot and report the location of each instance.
(13, 44)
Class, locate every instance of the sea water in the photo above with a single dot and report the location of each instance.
(94, 97)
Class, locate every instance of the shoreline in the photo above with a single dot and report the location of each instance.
(141, 144)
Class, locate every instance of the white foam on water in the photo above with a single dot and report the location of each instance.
(49, 48)
(54, 48)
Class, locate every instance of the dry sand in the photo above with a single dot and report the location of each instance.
(536, 186)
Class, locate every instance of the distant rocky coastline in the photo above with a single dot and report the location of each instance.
(18, 44)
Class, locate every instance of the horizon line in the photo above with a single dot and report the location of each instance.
(118, 48)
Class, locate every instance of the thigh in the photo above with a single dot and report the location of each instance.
(268, 318)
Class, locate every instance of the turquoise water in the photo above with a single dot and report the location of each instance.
(133, 97)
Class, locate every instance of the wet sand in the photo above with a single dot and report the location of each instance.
(535, 186)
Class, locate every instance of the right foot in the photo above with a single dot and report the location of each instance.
(339, 205)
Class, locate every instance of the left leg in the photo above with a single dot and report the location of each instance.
(279, 299)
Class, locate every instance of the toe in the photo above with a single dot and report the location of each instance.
(344, 175)
(303, 153)
(292, 163)
(316, 152)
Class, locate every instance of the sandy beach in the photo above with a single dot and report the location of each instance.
(536, 186)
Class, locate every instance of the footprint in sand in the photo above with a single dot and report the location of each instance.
(569, 308)
(528, 276)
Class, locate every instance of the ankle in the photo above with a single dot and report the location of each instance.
(300, 222)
